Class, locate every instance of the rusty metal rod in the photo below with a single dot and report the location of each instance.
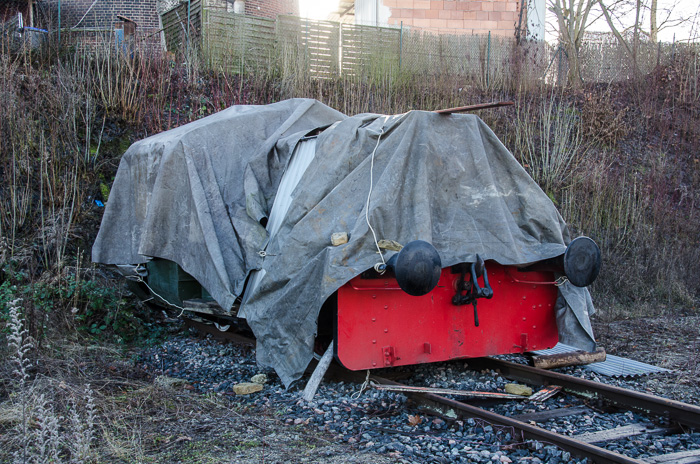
(480, 106)
(682, 413)
(448, 391)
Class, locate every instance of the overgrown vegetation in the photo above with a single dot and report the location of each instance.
(619, 159)
(83, 403)
(41, 434)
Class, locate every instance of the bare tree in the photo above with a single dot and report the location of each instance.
(670, 17)
(659, 18)
(653, 27)
(630, 49)
(611, 10)
(572, 20)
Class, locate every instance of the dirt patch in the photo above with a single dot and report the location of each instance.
(672, 342)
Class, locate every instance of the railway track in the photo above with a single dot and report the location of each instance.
(669, 416)
(584, 445)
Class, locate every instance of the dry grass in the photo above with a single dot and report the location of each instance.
(92, 396)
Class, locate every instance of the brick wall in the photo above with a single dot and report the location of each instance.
(271, 8)
(10, 8)
(475, 16)
(262, 8)
(104, 13)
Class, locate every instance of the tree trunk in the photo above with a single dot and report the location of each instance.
(574, 74)
(635, 46)
(653, 26)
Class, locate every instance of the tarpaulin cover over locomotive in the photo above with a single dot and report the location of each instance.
(199, 195)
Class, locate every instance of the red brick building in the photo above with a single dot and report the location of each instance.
(261, 8)
(9, 9)
(500, 17)
(103, 13)
(475, 16)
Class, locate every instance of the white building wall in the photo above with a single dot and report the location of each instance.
(371, 13)
(536, 10)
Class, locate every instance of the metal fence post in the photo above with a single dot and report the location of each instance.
(559, 79)
(189, 11)
(400, 44)
(488, 59)
(673, 48)
(307, 60)
(340, 49)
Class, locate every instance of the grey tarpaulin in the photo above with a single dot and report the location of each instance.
(195, 195)
(445, 179)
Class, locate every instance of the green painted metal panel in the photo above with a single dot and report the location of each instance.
(171, 283)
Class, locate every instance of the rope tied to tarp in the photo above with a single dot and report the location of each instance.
(379, 267)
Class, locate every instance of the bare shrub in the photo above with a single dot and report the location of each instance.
(549, 140)
(601, 120)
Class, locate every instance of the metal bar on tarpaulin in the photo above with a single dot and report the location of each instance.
(480, 106)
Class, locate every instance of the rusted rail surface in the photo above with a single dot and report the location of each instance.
(683, 413)
(450, 408)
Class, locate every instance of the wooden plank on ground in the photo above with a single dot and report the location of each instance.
(618, 433)
(573, 358)
(681, 457)
(542, 416)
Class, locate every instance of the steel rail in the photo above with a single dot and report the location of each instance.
(209, 329)
(682, 413)
(451, 408)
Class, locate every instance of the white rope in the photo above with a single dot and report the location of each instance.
(369, 195)
(139, 279)
(363, 387)
(86, 13)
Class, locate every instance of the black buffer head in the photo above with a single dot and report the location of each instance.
(417, 267)
(582, 261)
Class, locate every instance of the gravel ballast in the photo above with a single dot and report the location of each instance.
(385, 422)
